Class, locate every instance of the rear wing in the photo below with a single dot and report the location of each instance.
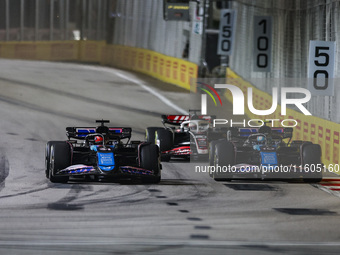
(112, 132)
(179, 119)
(282, 132)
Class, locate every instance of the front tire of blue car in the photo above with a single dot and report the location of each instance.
(48, 155)
(150, 160)
(224, 156)
(60, 158)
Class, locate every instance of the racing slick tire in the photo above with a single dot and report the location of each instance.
(311, 157)
(60, 158)
(149, 159)
(47, 156)
(224, 157)
(212, 146)
(150, 134)
(165, 142)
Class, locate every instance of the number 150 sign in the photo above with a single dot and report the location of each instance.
(226, 35)
(321, 68)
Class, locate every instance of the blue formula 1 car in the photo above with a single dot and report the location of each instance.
(98, 152)
(264, 153)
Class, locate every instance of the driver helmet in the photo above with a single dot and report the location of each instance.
(192, 125)
(261, 139)
(98, 139)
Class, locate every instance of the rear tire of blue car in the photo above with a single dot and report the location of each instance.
(311, 158)
(150, 160)
(165, 142)
(224, 157)
(60, 158)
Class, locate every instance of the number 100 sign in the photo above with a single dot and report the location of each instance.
(321, 68)
(262, 43)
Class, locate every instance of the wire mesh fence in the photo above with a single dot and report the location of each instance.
(295, 23)
(140, 23)
(42, 20)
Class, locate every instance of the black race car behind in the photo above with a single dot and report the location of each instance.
(183, 136)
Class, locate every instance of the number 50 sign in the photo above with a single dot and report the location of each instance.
(321, 68)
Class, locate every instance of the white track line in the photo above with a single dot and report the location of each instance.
(326, 189)
(141, 84)
(160, 242)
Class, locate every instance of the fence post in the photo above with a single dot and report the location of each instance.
(7, 20)
(22, 10)
(51, 19)
(36, 27)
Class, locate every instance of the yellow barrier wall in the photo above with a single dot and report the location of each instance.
(165, 68)
(162, 67)
(91, 51)
(310, 128)
(52, 51)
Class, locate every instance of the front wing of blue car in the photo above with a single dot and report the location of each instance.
(77, 170)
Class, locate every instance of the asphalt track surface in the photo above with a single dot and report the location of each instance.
(187, 213)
